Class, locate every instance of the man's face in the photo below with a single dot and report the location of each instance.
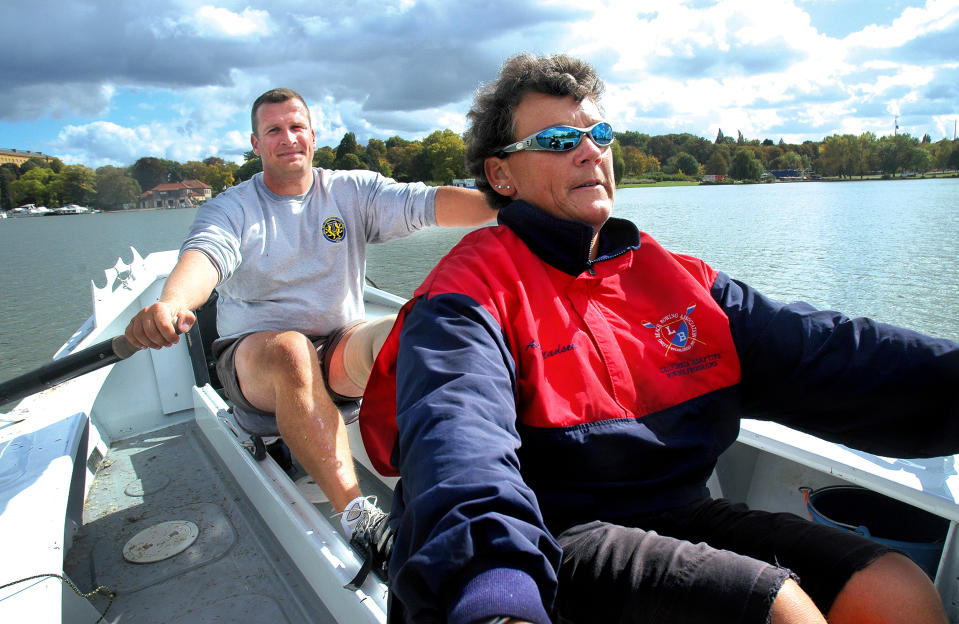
(578, 184)
(284, 138)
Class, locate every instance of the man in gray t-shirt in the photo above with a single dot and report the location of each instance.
(286, 252)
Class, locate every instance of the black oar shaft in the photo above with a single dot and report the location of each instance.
(67, 367)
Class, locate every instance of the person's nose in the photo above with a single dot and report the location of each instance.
(588, 151)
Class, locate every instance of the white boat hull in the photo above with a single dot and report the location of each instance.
(86, 465)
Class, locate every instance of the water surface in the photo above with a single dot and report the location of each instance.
(885, 249)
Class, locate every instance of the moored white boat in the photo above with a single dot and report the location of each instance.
(145, 444)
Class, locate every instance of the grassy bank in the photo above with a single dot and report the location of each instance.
(651, 183)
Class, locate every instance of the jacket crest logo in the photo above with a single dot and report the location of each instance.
(334, 230)
(676, 332)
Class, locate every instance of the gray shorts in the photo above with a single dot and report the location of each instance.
(257, 421)
(713, 561)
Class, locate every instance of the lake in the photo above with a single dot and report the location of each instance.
(884, 249)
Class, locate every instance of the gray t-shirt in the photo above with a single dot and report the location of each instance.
(298, 262)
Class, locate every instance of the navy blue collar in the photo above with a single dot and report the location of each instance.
(565, 244)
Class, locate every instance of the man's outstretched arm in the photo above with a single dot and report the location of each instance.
(462, 207)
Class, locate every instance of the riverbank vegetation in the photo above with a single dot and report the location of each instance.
(639, 160)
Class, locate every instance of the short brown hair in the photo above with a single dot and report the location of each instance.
(491, 117)
(275, 96)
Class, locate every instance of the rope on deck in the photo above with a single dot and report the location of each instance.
(109, 593)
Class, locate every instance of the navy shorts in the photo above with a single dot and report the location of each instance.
(713, 561)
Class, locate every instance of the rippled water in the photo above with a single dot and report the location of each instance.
(885, 249)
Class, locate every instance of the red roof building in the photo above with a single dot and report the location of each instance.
(185, 194)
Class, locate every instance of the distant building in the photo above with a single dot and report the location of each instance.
(465, 183)
(18, 157)
(176, 195)
(787, 174)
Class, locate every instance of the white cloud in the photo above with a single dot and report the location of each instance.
(936, 16)
(409, 67)
(212, 21)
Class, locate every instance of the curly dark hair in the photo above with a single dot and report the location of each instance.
(276, 96)
(491, 117)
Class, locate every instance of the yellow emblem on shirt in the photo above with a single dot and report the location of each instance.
(334, 230)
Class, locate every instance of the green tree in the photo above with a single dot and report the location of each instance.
(662, 147)
(717, 164)
(221, 177)
(350, 161)
(745, 166)
(6, 200)
(868, 156)
(115, 189)
(722, 139)
(633, 139)
(445, 154)
(34, 187)
(953, 161)
(149, 172)
(407, 159)
(324, 157)
(687, 164)
(840, 155)
(789, 160)
(217, 173)
(619, 163)
(35, 162)
(348, 146)
(902, 152)
(248, 169)
(8, 173)
(77, 185)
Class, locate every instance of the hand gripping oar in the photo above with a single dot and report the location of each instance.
(67, 367)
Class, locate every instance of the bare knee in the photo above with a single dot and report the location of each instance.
(289, 356)
(890, 590)
(272, 363)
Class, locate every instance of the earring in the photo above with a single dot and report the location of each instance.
(500, 186)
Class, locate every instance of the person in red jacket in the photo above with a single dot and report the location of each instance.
(558, 390)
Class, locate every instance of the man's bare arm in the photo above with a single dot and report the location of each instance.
(462, 207)
(187, 288)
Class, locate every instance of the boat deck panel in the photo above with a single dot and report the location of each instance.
(233, 572)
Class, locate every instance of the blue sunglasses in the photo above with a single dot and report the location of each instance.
(561, 139)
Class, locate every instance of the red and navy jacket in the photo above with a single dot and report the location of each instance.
(525, 389)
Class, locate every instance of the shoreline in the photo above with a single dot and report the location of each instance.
(868, 178)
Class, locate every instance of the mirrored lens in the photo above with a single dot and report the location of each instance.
(602, 134)
(559, 138)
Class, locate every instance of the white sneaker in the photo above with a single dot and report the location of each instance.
(371, 537)
(358, 510)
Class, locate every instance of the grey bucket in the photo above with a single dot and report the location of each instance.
(917, 533)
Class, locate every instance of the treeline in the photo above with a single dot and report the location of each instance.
(843, 156)
(439, 159)
(52, 183)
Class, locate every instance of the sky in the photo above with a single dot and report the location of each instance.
(105, 82)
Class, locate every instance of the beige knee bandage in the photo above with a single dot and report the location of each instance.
(361, 348)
